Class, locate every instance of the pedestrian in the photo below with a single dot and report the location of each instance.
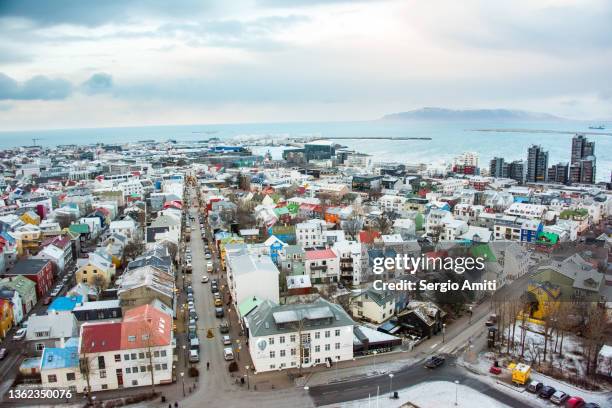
(175, 404)
(207, 365)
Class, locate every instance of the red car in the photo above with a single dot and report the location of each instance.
(495, 370)
(574, 402)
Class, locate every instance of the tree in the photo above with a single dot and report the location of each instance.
(352, 227)
(383, 224)
(133, 250)
(244, 182)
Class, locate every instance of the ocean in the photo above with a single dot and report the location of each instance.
(448, 139)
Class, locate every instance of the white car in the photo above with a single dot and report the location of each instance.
(227, 340)
(228, 353)
(20, 334)
(209, 266)
(208, 255)
(204, 279)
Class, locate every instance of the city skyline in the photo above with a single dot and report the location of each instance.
(124, 63)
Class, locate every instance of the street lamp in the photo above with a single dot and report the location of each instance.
(443, 331)
(183, 381)
(470, 311)
(374, 359)
(390, 385)
(337, 362)
(247, 375)
(185, 354)
(456, 388)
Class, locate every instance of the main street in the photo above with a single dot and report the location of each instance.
(369, 387)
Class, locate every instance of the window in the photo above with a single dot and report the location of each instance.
(134, 370)
(101, 363)
(132, 338)
(128, 370)
(42, 334)
(126, 357)
(317, 360)
(117, 358)
(52, 378)
(133, 356)
(141, 355)
(327, 347)
(70, 376)
(40, 346)
(293, 363)
(281, 340)
(164, 366)
(293, 352)
(317, 349)
(156, 354)
(337, 332)
(148, 354)
(292, 338)
(149, 368)
(282, 353)
(134, 382)
(157, 367)
(317, 335)
(272, 366)
(143, 369)
(327, 333)
(163, 353)
(102, 373)
(105, 386)
(272, 354)
(271, 340)
(337, 345)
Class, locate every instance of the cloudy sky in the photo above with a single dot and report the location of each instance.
(73, 63)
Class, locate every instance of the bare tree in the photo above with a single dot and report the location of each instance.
(383, 224)
(352, 227)
(133, 250)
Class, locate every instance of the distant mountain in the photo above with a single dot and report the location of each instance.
(469, 114)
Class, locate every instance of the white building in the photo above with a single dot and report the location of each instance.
(322, 265)
(353, 261)
(524, 210)
(125, 227)
(251, 276)
(299, 335)
(310, 233)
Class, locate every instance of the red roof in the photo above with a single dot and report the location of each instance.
(316, 254)
(368, 237)
(100, 337)
(143, 326)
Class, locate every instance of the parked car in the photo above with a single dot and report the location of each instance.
(546, 392)
(3, 353)
(227, 341)
(534, 386)
(209, 266)
(214, 288)
(219, 312)
(574, 402)
(228, 353)
(194, 356)
(224, 327)
(208, 256)
(434, 362)
(20, 334)
(559, 397)
(218, 302)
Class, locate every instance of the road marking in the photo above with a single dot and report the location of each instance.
(435, 345)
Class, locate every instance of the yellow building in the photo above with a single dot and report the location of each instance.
(544, 299)
(30, 217)
(98, 271)
(6, 317)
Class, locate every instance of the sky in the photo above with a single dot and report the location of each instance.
(74, 64)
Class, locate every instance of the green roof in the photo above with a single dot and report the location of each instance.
(548, 238)
(79, 228)
(483, 251)
(248, 305)
(281, 211)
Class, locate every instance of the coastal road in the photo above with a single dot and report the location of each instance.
(407, 377)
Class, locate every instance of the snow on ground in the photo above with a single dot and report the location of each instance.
(435, 394)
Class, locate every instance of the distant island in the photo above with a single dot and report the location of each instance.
(470, 114)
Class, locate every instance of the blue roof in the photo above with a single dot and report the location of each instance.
(7, 237)
(54, 358)
(65, 303)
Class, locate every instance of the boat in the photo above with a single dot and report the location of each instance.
(597, 127)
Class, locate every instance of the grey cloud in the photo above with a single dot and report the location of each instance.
(98, 83)
(36, 88)
(94, 13)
